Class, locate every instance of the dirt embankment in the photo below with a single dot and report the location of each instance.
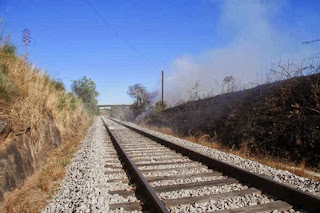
(274, 120)
(37, 115)
(21, 154)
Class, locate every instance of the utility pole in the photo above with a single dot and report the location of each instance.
(26, 40)
(162, 103)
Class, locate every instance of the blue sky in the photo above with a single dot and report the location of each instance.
(119, 43)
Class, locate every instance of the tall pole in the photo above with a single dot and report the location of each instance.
(25, 51)
(26, 40)
(162, 92)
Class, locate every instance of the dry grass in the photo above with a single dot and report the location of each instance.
(29, 98)
(36, 97)
(244, 151)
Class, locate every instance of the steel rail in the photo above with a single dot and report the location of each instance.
(151, 195)
(285, 192)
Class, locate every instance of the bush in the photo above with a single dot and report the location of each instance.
(58, 84)
(72, 101)
(67, 101)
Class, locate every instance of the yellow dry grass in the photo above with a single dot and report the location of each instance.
(37, 97)
(34, 97)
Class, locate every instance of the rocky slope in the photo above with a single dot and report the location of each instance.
(21, 154)
(36, 116)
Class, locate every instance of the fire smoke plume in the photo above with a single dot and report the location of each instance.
(256, 43)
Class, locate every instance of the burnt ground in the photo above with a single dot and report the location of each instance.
(279, 120)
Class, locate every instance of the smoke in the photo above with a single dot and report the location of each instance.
(256, 42)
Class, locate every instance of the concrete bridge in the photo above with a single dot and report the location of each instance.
(112, 105)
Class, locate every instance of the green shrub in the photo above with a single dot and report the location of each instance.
(7, 88)
(72, 103)
(67, 101)
(65, 161)
(9, 49)
(62, 102)
(58, 84)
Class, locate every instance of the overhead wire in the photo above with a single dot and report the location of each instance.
(116, 31)
(308, 42)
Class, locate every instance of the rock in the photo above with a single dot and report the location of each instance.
(3, 125)
(23, 153)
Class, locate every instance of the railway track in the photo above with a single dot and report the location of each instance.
(164, 177)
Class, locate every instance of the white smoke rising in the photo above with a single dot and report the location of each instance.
(255, 45)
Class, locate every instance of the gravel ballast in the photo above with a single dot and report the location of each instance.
(85, 187)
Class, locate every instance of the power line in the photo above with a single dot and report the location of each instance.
(113, 28)
(308, 42)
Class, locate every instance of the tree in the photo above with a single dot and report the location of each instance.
(141, 98)
(137, 92)
(85, 89)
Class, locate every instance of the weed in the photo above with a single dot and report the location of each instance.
(62, 102)
(65, 161)
(44, 181)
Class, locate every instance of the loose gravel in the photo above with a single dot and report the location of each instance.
(176, 172)
(231, 203)
(201, 191)
(185, 180)
(169, 166)
(85, 187)
(178, 160)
